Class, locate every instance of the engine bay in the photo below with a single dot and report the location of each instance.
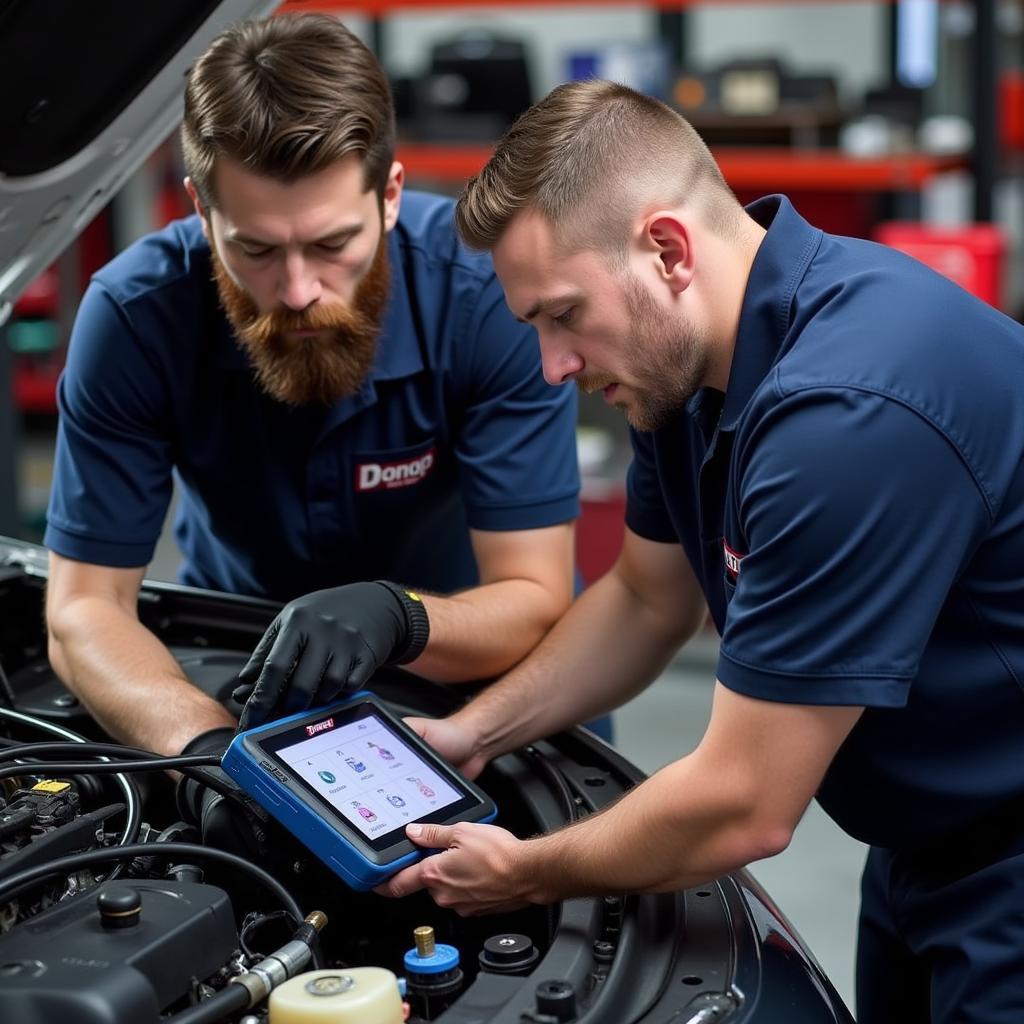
(114, 906)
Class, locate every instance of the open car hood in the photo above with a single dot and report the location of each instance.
(89, 91)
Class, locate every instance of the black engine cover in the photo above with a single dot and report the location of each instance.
(66, 964)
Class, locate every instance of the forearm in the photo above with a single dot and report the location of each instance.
(678, 829)
(605, 649)
(482, 632)
(127, 679)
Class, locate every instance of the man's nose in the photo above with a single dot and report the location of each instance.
(300, 285)
(559, 363)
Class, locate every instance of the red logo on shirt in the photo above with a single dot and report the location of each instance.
(732, 560)
(385, 476)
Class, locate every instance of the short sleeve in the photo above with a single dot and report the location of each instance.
(516, 446)
(857, 515)
(646, 512)
(112, 466)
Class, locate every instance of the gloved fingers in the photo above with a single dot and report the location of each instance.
(305, 682)
(242, 693)
(335, 681)
(330, 668)
(363, 667)
(268, 697)
(251, 670)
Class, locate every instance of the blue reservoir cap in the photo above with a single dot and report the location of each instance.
(444, 958)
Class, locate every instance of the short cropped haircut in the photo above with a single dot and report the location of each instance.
(588, 157)
(286, 97)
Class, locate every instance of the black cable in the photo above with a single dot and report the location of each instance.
(208, 779)
(557, 780)
(10, 887)
(155, 764)
(13, 822)
(133, 798)
(6, 690)
(230, 999)
(97, 749)
(249, 926)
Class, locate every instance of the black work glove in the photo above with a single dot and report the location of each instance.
(327, 644)
(237, 825)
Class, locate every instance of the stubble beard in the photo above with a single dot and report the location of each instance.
(316, 370)
(668, 362)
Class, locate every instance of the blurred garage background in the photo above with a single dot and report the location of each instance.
(900, 121)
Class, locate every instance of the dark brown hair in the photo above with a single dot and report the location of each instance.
(587, 157)
(287, 97)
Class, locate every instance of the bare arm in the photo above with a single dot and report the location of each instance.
(526, 583)
(735, 799)
(123, 674)
(609, 645)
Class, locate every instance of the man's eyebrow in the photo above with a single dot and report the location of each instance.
(543, 305)
(337, 235)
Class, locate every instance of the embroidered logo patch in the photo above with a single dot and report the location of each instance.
(732, 560)
(385, 476)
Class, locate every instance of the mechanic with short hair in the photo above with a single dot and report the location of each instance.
(829, 454)
(350, 411)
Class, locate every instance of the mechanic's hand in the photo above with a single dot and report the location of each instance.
(453, 741)
(480, 869)
(238, 826)
(322, 646)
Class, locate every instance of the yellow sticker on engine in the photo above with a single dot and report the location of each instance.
(50, 786)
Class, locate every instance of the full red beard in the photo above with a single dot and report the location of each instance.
(312, 370)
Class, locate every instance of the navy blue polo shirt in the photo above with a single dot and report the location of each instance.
(454, 428)
(854, 509)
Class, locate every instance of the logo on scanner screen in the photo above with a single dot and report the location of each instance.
(327, 723)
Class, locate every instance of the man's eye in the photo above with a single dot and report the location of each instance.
(564, 319)
(330, 247)
(256, 254)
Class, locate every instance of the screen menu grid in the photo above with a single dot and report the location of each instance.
(370, 776)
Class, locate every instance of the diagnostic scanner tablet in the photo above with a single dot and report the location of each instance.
(346, 779)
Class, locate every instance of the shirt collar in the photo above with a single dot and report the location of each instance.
(400, 347)
(778, 268)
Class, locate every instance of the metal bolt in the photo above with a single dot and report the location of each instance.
(424, 939)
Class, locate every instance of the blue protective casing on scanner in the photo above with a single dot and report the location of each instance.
(313, 821)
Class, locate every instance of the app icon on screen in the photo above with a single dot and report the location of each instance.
(364, 811)
(423, 787)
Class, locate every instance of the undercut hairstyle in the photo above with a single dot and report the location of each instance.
(589, 157)
(286, 97)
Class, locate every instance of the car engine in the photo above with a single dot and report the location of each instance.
(114, 907)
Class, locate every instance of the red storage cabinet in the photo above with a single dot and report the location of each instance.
(972, 256)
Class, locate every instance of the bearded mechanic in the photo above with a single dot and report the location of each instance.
(355, 421)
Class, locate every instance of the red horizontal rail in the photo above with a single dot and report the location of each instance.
(743, 167)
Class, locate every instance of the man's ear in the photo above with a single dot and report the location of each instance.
(393, 195)
(197, 205)
(672, 242)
